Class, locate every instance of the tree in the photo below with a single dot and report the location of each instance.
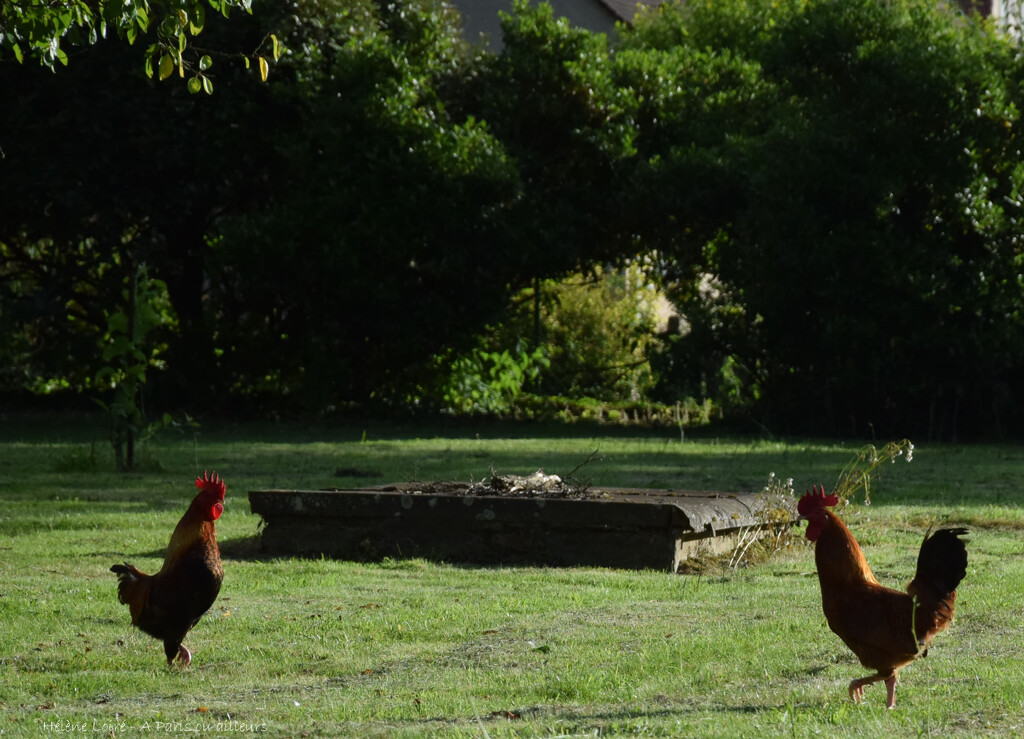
(32, 28)
(867, 211)
(429, 184)
(551, 100)
(103, 169)
(320, 236)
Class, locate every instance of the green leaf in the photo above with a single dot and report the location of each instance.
(119, 347)
(152, 56)
(264, 69)
(277, 47)
(205, 63)
(197, 25)
(195, 85)
(117, 322)
(17, 53)
(208, 85)
(166, 66)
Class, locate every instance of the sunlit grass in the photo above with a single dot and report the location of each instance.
(414, 648)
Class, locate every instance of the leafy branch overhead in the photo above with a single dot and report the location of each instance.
(46, 31)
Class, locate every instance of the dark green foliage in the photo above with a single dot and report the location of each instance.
(868, 206)
(551, 100)
(102, 168)
(377, 240)
(429, 184)
(323, 236)
(831, 194)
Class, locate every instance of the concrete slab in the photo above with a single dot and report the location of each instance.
(607, 527)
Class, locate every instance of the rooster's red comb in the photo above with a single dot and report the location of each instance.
(211, 484)
(815, 498)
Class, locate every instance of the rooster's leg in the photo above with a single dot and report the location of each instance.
(890, 685)
(184, 656)
(857, 686)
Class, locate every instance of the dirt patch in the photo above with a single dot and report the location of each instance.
(537, 485)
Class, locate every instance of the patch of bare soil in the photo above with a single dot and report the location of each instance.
(537, 485)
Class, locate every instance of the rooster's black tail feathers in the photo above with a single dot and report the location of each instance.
(942, 563)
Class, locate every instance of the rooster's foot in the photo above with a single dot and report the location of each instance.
(857, 688)
(856, 691)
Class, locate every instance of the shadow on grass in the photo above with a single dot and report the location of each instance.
(245, 549)
(614, 720)
(239, 549)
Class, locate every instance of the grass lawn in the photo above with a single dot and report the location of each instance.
(326, 648)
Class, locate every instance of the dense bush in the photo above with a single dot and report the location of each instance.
(587, 336)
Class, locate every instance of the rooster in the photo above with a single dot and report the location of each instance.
(168, 604)
(887, 629)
